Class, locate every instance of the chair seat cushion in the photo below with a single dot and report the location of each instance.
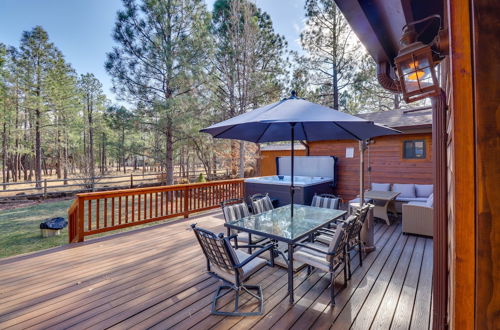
(243, 238)
(247, 270)
(357, 200)
(324, 238)
(311, 257)
(252, 267)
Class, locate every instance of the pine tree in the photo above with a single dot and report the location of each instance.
(163, 48)
(36, 59)
(93, 105)
(63, 99)
(248, 62)
(332, 51)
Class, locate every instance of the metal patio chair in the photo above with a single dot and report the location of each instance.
(353, 226)
(330, 259)
(233, 267)
(326, 200)
(261, 203)
(235, 209)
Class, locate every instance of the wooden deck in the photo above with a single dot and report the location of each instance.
(155, 278)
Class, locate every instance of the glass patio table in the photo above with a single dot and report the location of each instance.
(278, 225)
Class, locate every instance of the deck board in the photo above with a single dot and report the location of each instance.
(155, 278)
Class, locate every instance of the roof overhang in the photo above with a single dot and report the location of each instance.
(379, 23)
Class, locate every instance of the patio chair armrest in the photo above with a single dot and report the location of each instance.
(314, 249)
(254, 255)
(326, 231)
(234, 236)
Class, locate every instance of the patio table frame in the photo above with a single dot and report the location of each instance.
(336, 215)
(382, 201)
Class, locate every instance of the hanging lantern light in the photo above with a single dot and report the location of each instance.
(415, 65)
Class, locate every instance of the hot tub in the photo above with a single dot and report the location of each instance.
(316, 175)
(278, 187)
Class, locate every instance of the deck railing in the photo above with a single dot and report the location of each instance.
(98, 212)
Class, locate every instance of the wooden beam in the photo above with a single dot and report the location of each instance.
(462, 171)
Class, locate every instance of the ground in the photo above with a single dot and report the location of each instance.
(20, 231)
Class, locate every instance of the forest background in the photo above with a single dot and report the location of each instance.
(178, 66)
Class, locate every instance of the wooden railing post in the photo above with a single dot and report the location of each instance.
(186, 202)
(80, 219)
(131, 180)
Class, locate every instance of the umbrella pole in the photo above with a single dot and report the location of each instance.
(292, 187)
(362, 148)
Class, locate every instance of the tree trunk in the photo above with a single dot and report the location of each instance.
(59, 154)
(214, 164)
(234, 158)
(123, 150)
(397, 104)
(242, 159)
(4, 152)
(91, 140)
(169, 156)
(38, 150)
(65, 165)
(169, 160)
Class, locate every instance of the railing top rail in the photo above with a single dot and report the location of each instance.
(135, 191)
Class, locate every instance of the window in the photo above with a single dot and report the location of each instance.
(414, 149)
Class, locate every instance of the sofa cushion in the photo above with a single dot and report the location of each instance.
(381, 186)
(405, 190)
(423, 190)
(418, 203)
(430, 201)
(415, 199)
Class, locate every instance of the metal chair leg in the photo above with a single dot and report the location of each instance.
(360, 255)
(349, 265)
(247, 288)
(345, 274)
(332, 288)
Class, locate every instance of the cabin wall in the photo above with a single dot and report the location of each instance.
(268, 160)
(384, 162)
(384, 158)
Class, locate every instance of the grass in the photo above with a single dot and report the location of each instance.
(20, 231)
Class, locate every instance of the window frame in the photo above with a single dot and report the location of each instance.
(414, 156)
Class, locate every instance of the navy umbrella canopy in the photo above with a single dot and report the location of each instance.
(297, 119)
(313, 122)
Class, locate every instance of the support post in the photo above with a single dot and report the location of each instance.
(292, 187)
(362, 148)
(80, 219)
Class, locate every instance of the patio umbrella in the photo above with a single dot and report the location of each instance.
(293, 119)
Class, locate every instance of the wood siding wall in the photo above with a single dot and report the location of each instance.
(384, 157)
(268, 160)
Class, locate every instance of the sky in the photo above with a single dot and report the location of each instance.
(82, 29)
